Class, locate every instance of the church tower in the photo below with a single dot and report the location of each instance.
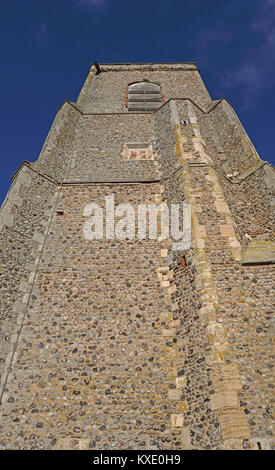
(112, 343)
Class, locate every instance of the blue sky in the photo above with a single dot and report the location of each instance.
(47, 47)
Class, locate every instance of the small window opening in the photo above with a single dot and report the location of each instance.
(138, 151)
(59, 212)
(144, 96)
(184, 122)
(183, 262)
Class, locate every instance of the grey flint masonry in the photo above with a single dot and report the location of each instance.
(128, 343)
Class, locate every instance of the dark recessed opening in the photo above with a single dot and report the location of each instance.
(184, 122)
(59, 212)
(182, 260)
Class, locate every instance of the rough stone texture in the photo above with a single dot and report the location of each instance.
(93, 349)
(104, 93)
(58, 149)
(25, 212)
(131, 344)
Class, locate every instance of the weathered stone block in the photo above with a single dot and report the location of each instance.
(234, 424)
(225, 399)
(177, 420)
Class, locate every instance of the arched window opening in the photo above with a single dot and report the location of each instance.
(144, 96)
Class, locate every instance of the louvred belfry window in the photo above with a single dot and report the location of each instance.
(144, 96)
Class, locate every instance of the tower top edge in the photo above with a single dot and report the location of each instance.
(145, 66)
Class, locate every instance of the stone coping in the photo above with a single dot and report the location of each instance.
(175, 66)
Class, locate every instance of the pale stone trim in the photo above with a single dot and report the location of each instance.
(225, 400)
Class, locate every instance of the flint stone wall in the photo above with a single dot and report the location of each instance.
(131, 344)
(107, 91)
(23, 219)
